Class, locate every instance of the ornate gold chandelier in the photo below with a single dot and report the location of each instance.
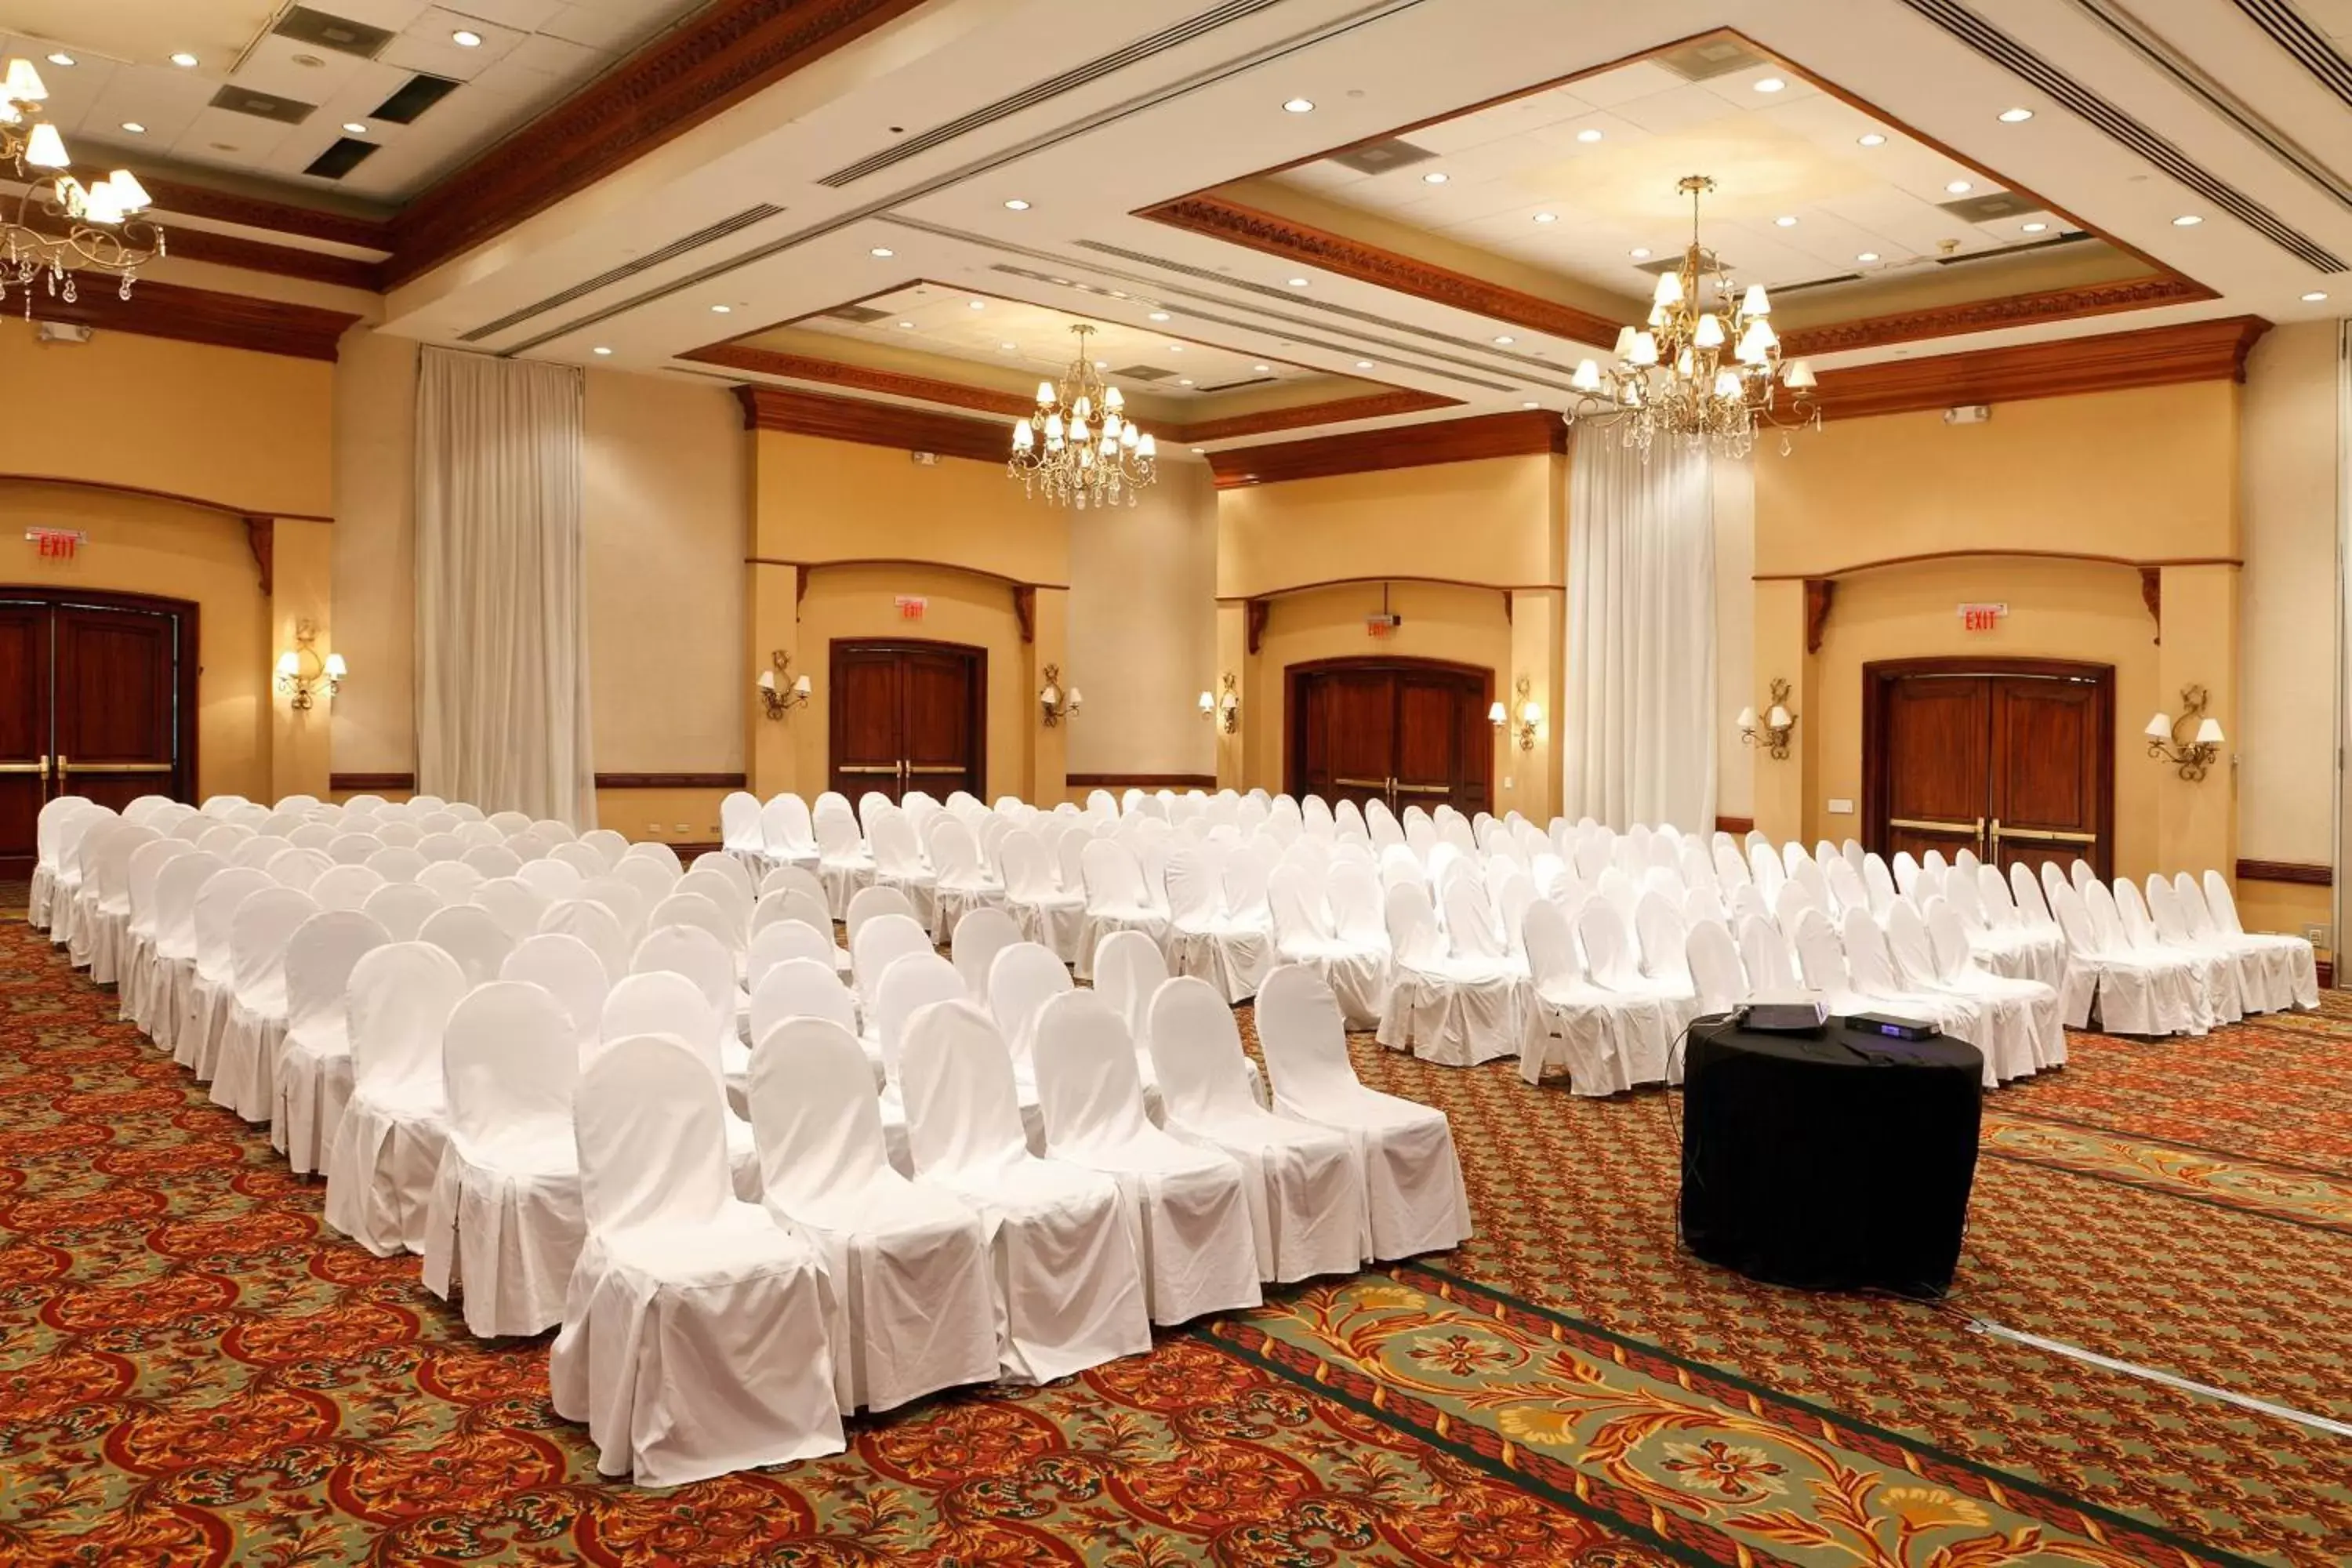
(1079, 449)
(1705, 368)
(55, 223)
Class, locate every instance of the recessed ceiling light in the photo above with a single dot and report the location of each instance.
(466, 39)
(1299, 105)
(1532, 404)
(978, 304)
(1867, 256)
(2015, 116)
(1298, 283)
(1185, 383)
(1008, 348)
(1770, 84)
(1175, 348)
(1784, 221)
(2314, 296)
(1259, 368)
(1871, 139)
(134, 128)
(600, 349)
(184, 60)
(1547, 217)
(1363, 364)
(1102, 365)
(1588, 134)
(1435, 177)
(1504, 339)
(61, 59)
(1158, 315)
(1198, 450)
(907, 326)
(1959, 187)
(723, 310)
(1016, 205)
(2186, 220)
(883, 251)
(1640, 253)
(354, 128)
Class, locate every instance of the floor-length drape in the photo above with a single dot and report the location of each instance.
(501, 621)
(1637, 727)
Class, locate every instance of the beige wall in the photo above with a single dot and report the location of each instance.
(375, 552)
(1736, 686)
(666, 483)
(1143, 627)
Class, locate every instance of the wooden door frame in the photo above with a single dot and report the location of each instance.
(1878, 679)
(186, 644)
(972, 653)
(1293, 712)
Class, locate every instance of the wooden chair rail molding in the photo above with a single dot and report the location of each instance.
(1734, 825)
(1524, 433)
(669, 781)
(1141, 781)
(371, 783)
(2303, 872)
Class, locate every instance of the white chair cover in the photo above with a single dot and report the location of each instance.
(1948, 942)
(1231, 951)
(1070, 1284)
(2222, 909)
(2270, 968)
(960, 883)
(1459, 1006)
(980, 935)
(782, 940)
(1118, 899)
(2013, 1046)
(504, 1224)
(1646, 1047)
(211, 982)
(385, 1150)
(593, 924)
(1190, 1204)
(1594, 1032)
(243, 1064)
(693, 1339)
(1307, 1210)
(473, 937)
(870, 904)
(452, 882)
(568, 970)
(1412, 1180)
(402, 909)
(313, 1071)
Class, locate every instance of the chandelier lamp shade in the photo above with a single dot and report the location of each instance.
(57, 225)
(1079, 449)
(1705, 368)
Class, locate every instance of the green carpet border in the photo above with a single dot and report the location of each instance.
(2231, 1156)
(1806, 1407)
(2325, 1228)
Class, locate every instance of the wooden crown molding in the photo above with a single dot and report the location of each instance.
(2307, 874)
(281, 260)
(2109, 362)
(728, 51)
(1990, 315)
(172, 194)
(1515, 434)
(159, 310)
(1221, 217)
(1012, 405)
(871, 424)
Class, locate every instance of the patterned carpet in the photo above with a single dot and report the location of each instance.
(193, 1371)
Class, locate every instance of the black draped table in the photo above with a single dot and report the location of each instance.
(1830, 1161)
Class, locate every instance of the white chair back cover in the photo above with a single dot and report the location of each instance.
(1909, 945)
(352, 848)
(698, 955)
(469, 935)
(510, 1065)
(2031, 907)
(395, 864)
(1764, 954)
(804, 988)
(1196, 1054)
(1129, 970)
(452, 882)
(962, 1114)
(319, 958)
(442, 847)
(627, 904)
(1024, 978)
(2221, 905)
(568, 970)
(693, 912)
(492, 860)
(815, 1116)
(914, 982)
(175, 900)
(647, 877)
(512, 903)
(979, 936)
(785, 828)
(870, 904)
(584, 860)
(217, 902)
(731, 889)
(875, 946)
(1665, 939)
(345, 887)
(1948, 938)
(593, 924)
(659, 1001)
(402, 909)
(1713, 960)
(1090, 1088)
(551, 879)
(782, 941)
(1608, 955)
(398, 1002)
(1823, 961)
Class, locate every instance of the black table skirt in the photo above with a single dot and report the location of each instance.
(1833, 1161)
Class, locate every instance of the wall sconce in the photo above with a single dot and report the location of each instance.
(1773, 734)
(1225, 709)
(1530, 714)
(302, 672)
(780, 691)
(2192, 757)
(1057, 703)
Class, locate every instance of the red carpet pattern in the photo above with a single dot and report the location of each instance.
(192, 1371)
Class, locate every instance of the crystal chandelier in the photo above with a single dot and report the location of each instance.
(1079, 449)
(1706, 369)
(56, 224)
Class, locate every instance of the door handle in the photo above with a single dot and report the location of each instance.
(40, 767)
(1921, 825)
(1380, 784)
(122, 767)
(2050, 835)
(1421, 789)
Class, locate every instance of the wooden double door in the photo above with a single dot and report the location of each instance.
(97, 698)
(1404, 731)
(908, 715)
(2013, 759)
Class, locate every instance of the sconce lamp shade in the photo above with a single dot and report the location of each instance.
(1779, 717)
(336, 667)
(1747, 720)
(1077, 701)
(768, 680)
(1050, 695)
(1531, 714)
(801, 687)
(2160, 728)
(1208, 703)
(1498, 716)
(2208, 734)
(290, 663)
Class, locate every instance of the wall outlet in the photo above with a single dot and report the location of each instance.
(1509, 784)
(2316, 936)
(1841, 807)
(683, 827)
(653, 830)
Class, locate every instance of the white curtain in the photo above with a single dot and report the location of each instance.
(1638, 721)
(501, 623)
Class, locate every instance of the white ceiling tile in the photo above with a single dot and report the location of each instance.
(524, 16)
(274, 66)
(224, 137)
(615, 31)
(1676, 110)
(393, 16)
(1643, 78)
(558, 58)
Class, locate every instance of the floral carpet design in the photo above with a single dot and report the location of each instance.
(193, 1370)
(2281, 1191)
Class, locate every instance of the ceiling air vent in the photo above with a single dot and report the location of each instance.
(308, 27)
(1143, 372)
(1989, 208)
(629, 268)
(263, 105)
(1708, 57)
(348, 153)
(413, 96)
(1237, 385)
(1380, 157)
(855, 315)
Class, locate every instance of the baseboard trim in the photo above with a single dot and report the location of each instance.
(1734, 825)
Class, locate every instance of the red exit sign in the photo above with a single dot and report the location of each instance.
(911, 607)
(1982, 618)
